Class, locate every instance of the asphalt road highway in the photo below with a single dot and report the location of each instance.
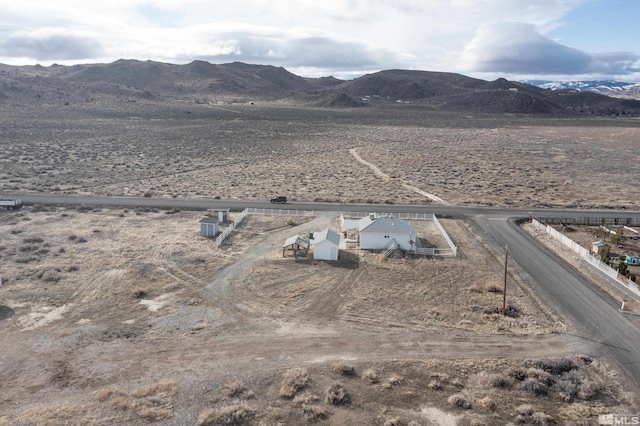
(590, 314)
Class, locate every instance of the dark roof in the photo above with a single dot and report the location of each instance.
(209, 220)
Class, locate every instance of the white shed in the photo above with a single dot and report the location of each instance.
(377, 234)
(326, 245)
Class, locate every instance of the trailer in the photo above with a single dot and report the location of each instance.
(10, 204)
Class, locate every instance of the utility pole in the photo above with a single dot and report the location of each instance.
(504, 290)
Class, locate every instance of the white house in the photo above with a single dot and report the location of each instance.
(376, 233)
(326, 245)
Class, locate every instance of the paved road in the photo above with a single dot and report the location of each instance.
(593, 316)
(203, 204)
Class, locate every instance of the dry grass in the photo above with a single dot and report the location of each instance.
(435, 385)
(314, 412)
(234, 388)
(459, 400)
(343, 369)
(371, 376)
(487, 403)
(153, 402)
(292, 381)
(229, 415)
(499, 381)
(63, 413)
(336, 394)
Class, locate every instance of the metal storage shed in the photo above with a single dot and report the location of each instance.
(209, 226)
(326, 245)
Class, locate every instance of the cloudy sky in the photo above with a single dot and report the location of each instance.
(542, 39)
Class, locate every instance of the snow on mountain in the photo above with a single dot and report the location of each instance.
(604, 87)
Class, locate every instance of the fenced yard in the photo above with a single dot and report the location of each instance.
(450, 250)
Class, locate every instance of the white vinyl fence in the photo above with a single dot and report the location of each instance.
(281, 212)
(452, 250)
(224, 234)
(406, 216)
(452, 247)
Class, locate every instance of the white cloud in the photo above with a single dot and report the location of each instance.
(518, 48)
(49, 44)
(615, 63)
(338, 37)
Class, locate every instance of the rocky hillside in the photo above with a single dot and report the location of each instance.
(205, 82)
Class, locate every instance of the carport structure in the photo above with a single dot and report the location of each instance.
(296, 243)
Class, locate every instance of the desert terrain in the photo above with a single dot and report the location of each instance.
(240, 149)
(113, 316)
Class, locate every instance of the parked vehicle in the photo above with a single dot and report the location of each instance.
(279, 199)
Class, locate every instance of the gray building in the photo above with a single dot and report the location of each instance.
(209, 226)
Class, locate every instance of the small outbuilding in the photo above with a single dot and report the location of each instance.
(326, 245)
(223, 215)
(376, 233)
(597, 247)
(209, 226)
(296, 244)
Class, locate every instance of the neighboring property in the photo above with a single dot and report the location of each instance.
(377, 233)
(209, 226)
(597, 247)
(326, 245)
(296, 244)
(632, 260)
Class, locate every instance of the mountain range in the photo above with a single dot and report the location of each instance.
(201, 81)
(613, 88)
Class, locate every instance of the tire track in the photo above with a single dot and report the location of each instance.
(382, 175)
